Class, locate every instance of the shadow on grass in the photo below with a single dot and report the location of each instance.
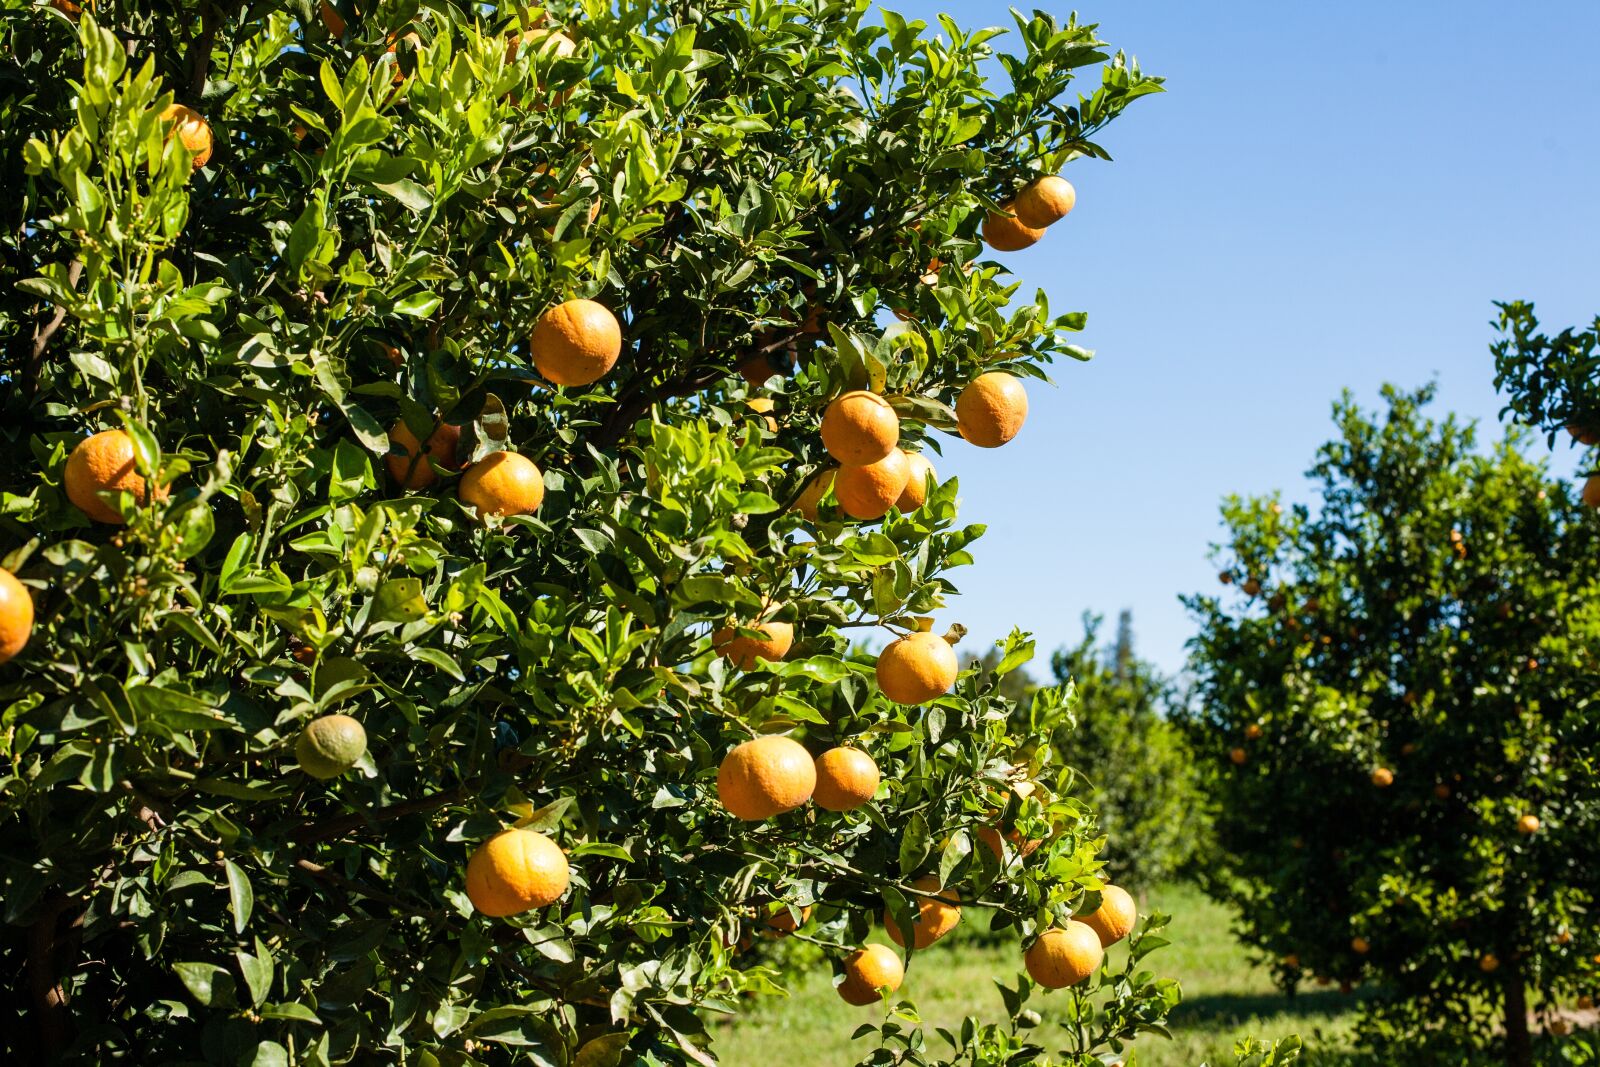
(1225, 1008)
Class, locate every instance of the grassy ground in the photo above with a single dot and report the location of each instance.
(1225, 998)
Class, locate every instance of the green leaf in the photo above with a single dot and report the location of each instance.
(411, 195)
(198, 979)
(241, 898)
(399, 600)
(174, 709)
(913, 844)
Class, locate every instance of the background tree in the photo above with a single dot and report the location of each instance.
(1396, 701)
(427, 499)
(1134, 763)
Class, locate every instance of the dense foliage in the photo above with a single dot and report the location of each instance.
(1551, 383)
(395, 194)
(1135, 767)
(1396, 706)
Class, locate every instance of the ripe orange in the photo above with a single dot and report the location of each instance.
(1585, 1003)
(330, 745)
(1238, 755)
(933, 919)
(1044, 201)
(548, 45)
(920, 472)
(410, 465)
(1582, 434)
(332, 19)
(744, 651)
(990, 411)
(916, 668)
(763, 405)
(1006, 234)
(1591, 491)
(1382, 777)
(868, 492)
(516, 871)
(1252, 732)
(810, 497)
(1064, 955)
(1251, 587)
(1442, 791)
(192, 131)
(765, 777)
(1360, 946)
(104, 463)
(67, 8)
(756, 370)
(860, 427)
(777, 920)
(1292, 962)
(846, 779)
(990, 835)
(503, 483)
(576, 343)
(1563, 936)
(1488, 963)
(1116, 916)
(867, 970)
(1225, 577)
(16, 615)
(1527, 825)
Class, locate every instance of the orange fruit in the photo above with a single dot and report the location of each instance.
(1528, 824)
(765, 777)
(192, 130)
(916, 668)
(1006, 234)
(1382, 777)
(1585, 1003)
(743, 651)
(990, 835)
(1582, 434)
(516, 871)
(1292, 961)
(846, 778)
(1044, 201)
(990, 411)
(410, 465)
(1064, 955)
(332, 19)
(1252, 732)
(1238, 755)
(1442, 791)
(810, 497)
(859, 428)
(868, 492)
(1488, 963)
(778, 921)
(934, 918)
(1116, 916)
(503, 483)
(67, 8)
(1360, 946)
(1563, 936)
(1591, 491)
(330, 745)
(921, 472)
(576, 342)
(1251, 587)
(763, 405)
(16, 615)
(756, 370)
(867, 970)
(104, 463)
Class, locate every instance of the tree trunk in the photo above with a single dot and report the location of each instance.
(1519, 1045)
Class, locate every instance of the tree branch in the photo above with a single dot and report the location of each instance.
(44, 980)
(42, 334)
(347, 824)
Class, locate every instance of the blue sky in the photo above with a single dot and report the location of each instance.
(1328, 196)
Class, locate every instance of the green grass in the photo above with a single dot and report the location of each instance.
(1225, 998)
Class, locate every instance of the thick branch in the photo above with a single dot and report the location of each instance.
(44, 979)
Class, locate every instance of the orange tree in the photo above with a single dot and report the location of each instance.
(413, 656)
(1396, 694)
(1551, 383)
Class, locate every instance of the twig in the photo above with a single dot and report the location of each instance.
(44, 331)
(49, 999)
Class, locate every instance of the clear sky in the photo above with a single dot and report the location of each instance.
(1327, 196)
